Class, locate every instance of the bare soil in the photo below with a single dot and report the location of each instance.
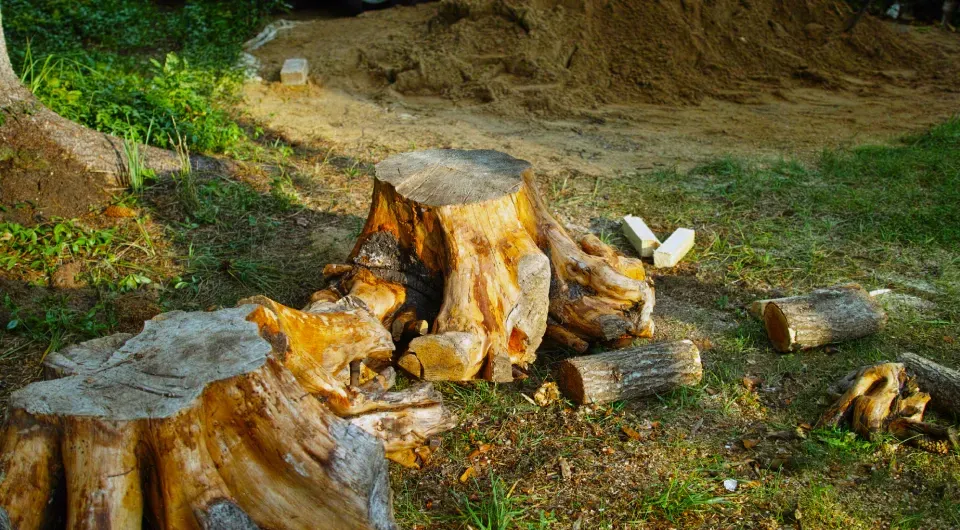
(39, 181)
(657, 87)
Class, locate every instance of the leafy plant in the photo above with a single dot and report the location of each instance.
(43, 247)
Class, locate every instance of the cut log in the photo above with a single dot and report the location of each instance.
(941, 382)
(825, 316)
(193, 423)
(630, 373)
(461, 240)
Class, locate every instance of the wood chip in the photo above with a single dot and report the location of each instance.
(631, 433)
(469, 472)
(751, 382)
(565, 471)
(547, 394)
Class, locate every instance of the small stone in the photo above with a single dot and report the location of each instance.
(730, 484)
(294, 72)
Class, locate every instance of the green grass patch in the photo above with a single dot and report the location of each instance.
(130, 68)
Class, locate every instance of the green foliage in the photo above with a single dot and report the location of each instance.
(499, 509)
(56, 323)
(120, 66)
(42, 248)
(677, 497)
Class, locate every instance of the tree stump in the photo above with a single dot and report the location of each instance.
(825, 316)
(630, 373)
(193, 423)
(883, 399)
(463, 241)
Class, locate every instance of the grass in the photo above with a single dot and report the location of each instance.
(130, 68)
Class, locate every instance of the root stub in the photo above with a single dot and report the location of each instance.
(883, 399)
(630, 373)
(462, 240)
(194, 423)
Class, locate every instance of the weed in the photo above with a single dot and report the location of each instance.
(677, 497)
(136, 172)
(499, 509)
(43, 247)
(56, 323)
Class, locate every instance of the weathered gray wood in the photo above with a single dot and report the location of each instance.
(156, 374)
(941, 382)
(825, 316)
(630, 373)
(442, 177)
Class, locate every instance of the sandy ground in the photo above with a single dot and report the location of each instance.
(764, 119)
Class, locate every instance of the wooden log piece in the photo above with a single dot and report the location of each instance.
(941, 382)
(461, 239)
(630, 373)
(825, 316)
(193, 423)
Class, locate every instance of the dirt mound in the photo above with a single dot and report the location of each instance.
(548, 55)
(39, 181)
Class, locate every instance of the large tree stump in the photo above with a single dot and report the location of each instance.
(462, 240)
(195, 422)
(825, 316)
(630, 373)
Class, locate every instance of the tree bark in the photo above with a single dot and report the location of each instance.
(462, 240)
(98, 152)
(200, 420)
(630, 373)
(942, 383)
(825, 316)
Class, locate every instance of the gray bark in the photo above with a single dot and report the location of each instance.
(630, 373)
(941, 382)
(825, 316)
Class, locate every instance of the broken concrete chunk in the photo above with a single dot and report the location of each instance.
(294, 72)
(641, 237)
(674, 248)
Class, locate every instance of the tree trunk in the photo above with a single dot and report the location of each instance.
(98, 152)
(462, 240)
(825, 316)
(630, 373)
(942, 383)
(198, 422)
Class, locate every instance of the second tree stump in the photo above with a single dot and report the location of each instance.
(463, 241)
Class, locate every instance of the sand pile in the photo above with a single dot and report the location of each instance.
(548, 55)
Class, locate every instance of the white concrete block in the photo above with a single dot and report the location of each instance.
(294, 72)
(674, 248)
(641, 237)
